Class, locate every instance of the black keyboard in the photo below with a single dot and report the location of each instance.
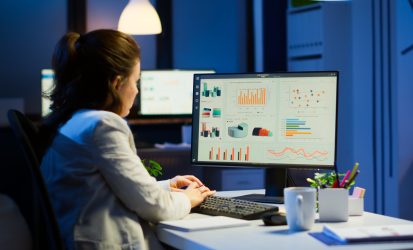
(236, 208)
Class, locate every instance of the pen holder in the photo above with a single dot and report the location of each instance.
(355, 206)
(333, 204)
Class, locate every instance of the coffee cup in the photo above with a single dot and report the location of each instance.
(300, 205)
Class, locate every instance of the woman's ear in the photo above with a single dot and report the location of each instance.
(117, 82)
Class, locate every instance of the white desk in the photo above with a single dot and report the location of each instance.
(257, 236)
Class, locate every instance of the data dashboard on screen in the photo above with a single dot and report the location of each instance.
(265, 120)
(166, 92)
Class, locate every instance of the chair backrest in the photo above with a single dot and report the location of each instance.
(42, 220)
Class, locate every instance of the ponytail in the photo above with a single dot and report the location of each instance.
(84, 68)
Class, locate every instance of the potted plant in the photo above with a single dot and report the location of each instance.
(153, 167)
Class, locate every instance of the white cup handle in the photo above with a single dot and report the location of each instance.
(300, 212)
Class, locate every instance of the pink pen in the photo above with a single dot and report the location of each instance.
(343, 181)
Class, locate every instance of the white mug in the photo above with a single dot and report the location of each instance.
(300, 205)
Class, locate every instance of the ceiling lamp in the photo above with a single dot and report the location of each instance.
(139, 18)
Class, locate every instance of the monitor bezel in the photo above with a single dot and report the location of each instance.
(213, 164)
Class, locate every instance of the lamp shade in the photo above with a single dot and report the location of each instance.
(139, 18)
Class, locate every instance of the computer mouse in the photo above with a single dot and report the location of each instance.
(274, 219)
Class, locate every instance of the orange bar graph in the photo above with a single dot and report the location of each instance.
(252, 96)
(295, 132)
(239, 154)
(211, 153)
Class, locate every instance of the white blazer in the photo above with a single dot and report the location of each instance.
(103, 196)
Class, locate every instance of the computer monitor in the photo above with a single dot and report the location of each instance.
(274, 121)
(166, 92)
(46, 86)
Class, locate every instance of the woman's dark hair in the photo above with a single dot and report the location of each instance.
(84, 68)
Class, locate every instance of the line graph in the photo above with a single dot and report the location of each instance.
(289, 152)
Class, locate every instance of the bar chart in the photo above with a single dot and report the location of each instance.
(215, 91)
(209, 131)
(256, 96)
(296, 126)
(231, 153)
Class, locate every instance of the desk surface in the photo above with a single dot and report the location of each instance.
(257, 236)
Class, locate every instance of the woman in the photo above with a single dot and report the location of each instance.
(103, 196)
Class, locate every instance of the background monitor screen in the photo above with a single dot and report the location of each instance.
(276, 121)
(46, 86)
(167, 92)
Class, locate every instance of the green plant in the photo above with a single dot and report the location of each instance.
(324, 180)
(153, 167)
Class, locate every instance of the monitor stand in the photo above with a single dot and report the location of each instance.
(275, 182)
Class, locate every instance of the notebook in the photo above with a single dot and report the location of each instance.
(370, 233)
(213, 222)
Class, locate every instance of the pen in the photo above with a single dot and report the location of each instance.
(355, 168)
(343, 181)
(351, 179)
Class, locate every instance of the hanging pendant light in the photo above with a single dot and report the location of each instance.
(139, 18)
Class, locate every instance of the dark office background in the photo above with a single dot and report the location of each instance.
(369, 41)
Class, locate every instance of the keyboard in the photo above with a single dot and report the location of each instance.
(235, 208)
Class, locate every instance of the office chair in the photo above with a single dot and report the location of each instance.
(41, 218)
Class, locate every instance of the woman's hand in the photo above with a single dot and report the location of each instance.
(181, 181)
(197, 194)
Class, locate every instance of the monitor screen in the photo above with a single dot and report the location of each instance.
(275, 120)
(166, 92)
(46, 86)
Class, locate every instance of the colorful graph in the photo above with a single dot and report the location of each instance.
(216, 112)
(289, 152)
(252, 96)
(306, 98)
(206, 112)
(214, 92)
(230, 154)
(238, 131)
(211, 132)
(296, 126)
(257, 131)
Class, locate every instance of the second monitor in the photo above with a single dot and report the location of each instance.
(167, 92)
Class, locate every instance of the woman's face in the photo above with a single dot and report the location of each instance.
(129, 89)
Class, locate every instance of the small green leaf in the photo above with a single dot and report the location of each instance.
(153, 167)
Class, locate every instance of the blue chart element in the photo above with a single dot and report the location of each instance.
(239, 131)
